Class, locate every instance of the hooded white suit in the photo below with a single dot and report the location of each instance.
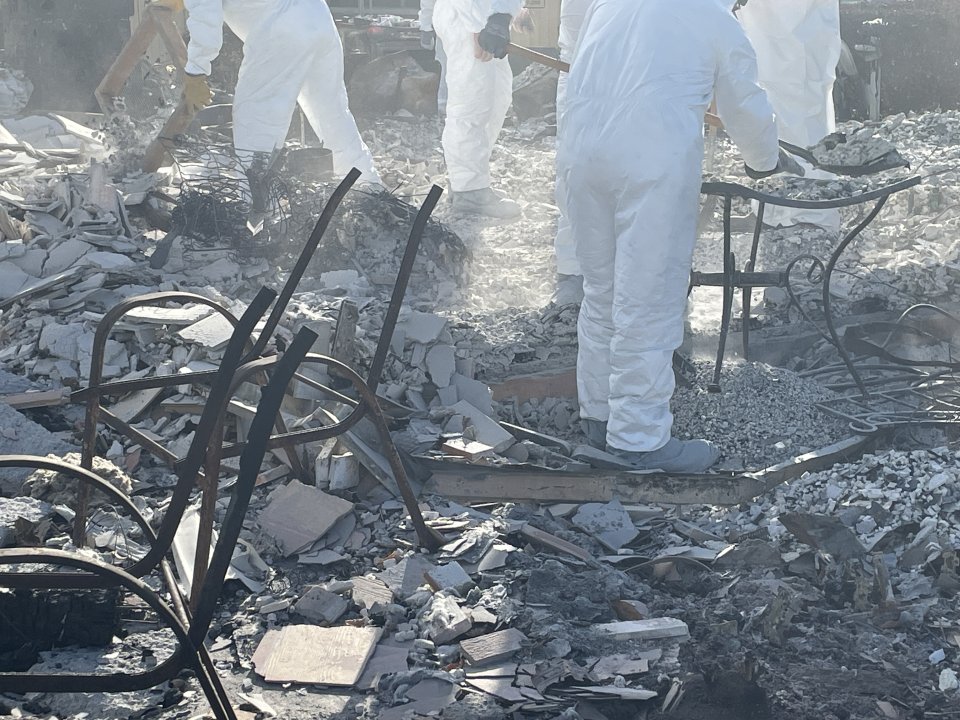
(478, 93)
(798, 47)
(291, 51)
(630, 155)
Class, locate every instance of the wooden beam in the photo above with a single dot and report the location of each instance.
(36, 399)
(121, 69)
(820, 459)
(484, 484)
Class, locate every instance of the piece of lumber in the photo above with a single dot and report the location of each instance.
(550, 383)
(488, 484)
(652, 629)
(176, 124)
(121, 69)
(534, 56)
(493, 647)
(541, 537)
(814, 461)
(36, 399)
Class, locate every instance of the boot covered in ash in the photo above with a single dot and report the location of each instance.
(485, 201)
(677, 456)
(595, 432)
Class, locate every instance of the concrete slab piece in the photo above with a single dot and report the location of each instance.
(21, 436)
(423, 327)
(310, 655)
(441, 363)
(298, 515)
(609, 523)
(485, 429)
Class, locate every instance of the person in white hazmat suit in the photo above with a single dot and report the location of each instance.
(291, 51)
(798, 47)
(428, 41)
(569, 287)
(630, 156)
(475, 34)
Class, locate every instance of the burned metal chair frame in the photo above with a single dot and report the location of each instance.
(189, 628)
(97, 389)
(747, 279)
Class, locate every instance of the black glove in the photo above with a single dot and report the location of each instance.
(785, 164)
(495, 37)
(428, 39)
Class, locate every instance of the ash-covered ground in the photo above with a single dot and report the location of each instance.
(832, 596)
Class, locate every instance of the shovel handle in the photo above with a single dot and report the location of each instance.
(537, 57)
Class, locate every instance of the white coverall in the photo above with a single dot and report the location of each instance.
(630, 155)
(572, 13)
(478, 93)
(291, 51)
(798, 47)
(425, 18)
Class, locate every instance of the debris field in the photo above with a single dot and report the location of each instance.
(814, 575)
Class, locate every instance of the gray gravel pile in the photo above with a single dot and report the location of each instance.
(893, 500)
(763, 415)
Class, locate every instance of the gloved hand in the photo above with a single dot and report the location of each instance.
(495, 37)
(196, 92)
(428, 39)
(785, 164)
(523, 22)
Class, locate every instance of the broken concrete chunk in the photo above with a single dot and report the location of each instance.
(337, 472)
(485, 429)
(344, 279)
(406, 576)
(321, 606)
(493, 647)
(451, 576)
(212, 332)
(825, 533)
(310, 655)
(609, 523)
(423, 327)
(441, 364)
(652, 629)
(446, 620)
(367, 592)
(12, 279)
(474, 392)
(298, 515)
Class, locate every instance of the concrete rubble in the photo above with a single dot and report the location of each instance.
(830, 595)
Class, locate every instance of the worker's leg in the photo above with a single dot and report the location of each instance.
(324, 102)
(471, 86)
(500, 99)
(277, 55)
(566, 251)
(441, 57)
(591, 210)
(655, 231)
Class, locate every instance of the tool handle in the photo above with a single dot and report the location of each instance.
(537, 57)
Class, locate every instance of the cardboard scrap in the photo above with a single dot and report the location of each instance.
(313, 655)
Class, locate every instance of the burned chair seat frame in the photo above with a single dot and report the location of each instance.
(731, 278)
(190, 628)
(93, 394)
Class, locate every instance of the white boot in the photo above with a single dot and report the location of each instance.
(485, 202)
